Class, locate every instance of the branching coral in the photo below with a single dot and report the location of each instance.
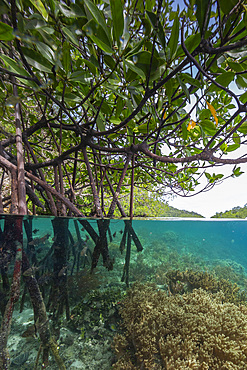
(186, 281)
(191, 331)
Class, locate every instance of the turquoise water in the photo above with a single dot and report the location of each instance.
(82, 268)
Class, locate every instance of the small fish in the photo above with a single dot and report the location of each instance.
(31, 271)
(113, 327)
(35, 231)
(38, 241)
(62, 271)
(84, 251)
(114, 234)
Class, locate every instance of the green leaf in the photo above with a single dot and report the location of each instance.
(136, 48)
(192, 81)
(66, 57)
(97, 15)
(173, 41)
(6, 32)
(100, 123)
(226, 6)
(135, 69)
(243, 97)
(91, 66)
(236, 138)
(46, 51)
(236, 67)
(184, 131)
(232, 147)
(70, 35)
(208, 126)
(14, 67)
(118, 19)
(241, 82)
(119, 106)
(169, 89)
(36, 60)
(213, 178)
(97, 34)
(224, 79)
(67, 11)
(184, 88)
(40, 7)
(237, 172)
(161, 35)
(201, 14)
(191, 43)
(142, 61)
(110, 61)
(35, 24)
(81, 76)
(130, 135)
(223, 147)
(72, 98)
(243, 128)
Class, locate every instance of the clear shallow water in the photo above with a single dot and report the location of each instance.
(60, 253)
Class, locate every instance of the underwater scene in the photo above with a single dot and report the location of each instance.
(80, 293)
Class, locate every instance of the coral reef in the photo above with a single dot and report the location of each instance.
(186, 281)
(195, 330)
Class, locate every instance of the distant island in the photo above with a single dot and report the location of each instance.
(236, 212)
(174, 212)
(150, 204)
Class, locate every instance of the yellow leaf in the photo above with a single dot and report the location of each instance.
(191, 125)
(164, 116)
(213, 111)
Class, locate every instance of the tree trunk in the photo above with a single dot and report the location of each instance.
(22, 206)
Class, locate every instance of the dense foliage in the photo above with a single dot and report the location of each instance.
(99, 96)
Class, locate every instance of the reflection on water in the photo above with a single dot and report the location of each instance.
(74, 278)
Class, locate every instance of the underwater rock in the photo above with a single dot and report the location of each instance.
(77, 364)
(66, 337)
(20, 359)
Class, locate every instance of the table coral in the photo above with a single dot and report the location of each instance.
(196, 330)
